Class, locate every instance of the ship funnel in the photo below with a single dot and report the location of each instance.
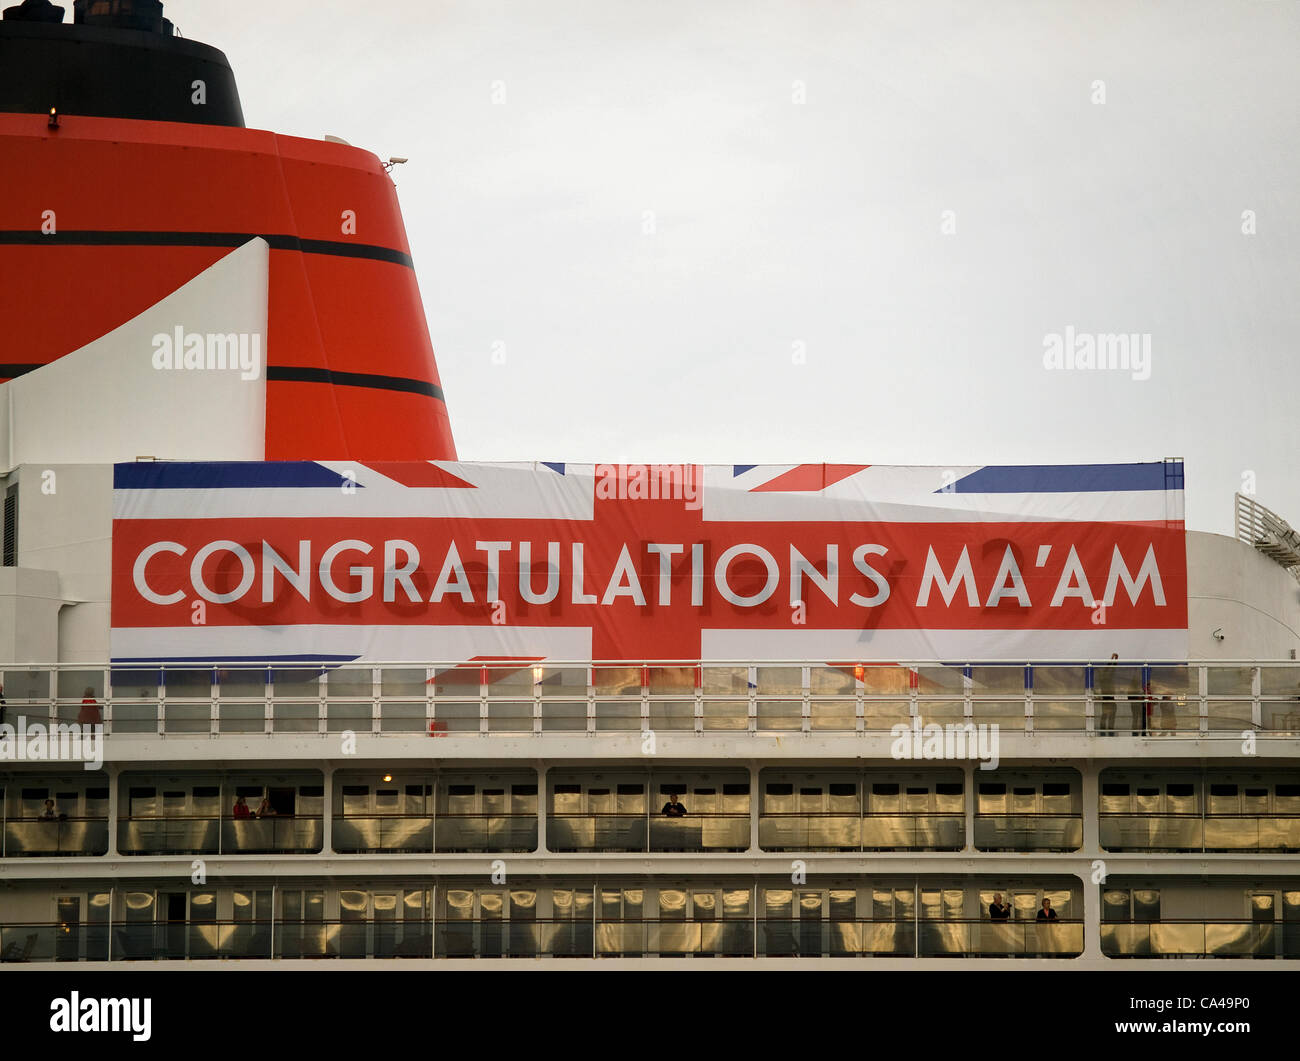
(34, 11)
(146, 15)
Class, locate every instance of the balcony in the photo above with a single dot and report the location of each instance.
(1028, 832)
(534, 938)
(217, 836)
(1155, 700)
(52, 837)
(640, 832)
(1192, 832)
(1200, 939)
(868, 832)
(949, 938)
(445, 833)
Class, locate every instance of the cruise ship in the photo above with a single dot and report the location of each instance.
(286, 683)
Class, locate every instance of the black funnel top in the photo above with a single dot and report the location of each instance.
(117, 59)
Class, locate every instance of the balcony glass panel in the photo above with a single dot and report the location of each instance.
(726, 681)
(1174, 681)
(72, 684)
(129, 717)
(1281, 717)
(1280, 681)
(453, 717)
(142, 683)
(564, 716)
(674, 681)
(1059, 714)
(1230, 715)
(994, 681)
(886, 714)
(511, 683)
(242, 717)
(1008, 715)
(22, 686)
(886, 680)
(1050, 681)
(403, 681)
(616, 681)
(296, 683)
(403, 717)
(340, 715)
(940, 711)
(779, 681)
(832, 714)
(187, 718)
(235, 683)
(1229, 681)
(672, 714)
(831, 681)
(296, 718)
(353, 683)
(566, 683)
(1028, 832)
(780, 715)
(510, 716)
(185, 682)
(618, 715)
(726, 714)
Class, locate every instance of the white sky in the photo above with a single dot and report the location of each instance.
(777, 223)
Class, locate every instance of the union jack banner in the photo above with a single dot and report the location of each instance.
(444, 560)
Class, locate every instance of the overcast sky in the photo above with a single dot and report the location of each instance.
(709, 231)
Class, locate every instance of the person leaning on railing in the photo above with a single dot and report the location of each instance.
(1106, 683)
(1046, 913)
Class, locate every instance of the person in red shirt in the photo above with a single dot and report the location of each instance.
(90, 714)
(241, 809)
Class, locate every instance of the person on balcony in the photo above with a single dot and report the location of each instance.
(241, 810)
(49, 814)
(997, 910)
(1106, 685)
(1137, 703)
(90, 714)
(1168, 716)
(265, 810)
(1046, 913)
(673, 809)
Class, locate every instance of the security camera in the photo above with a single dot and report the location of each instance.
(398, 161)
(1218, 634)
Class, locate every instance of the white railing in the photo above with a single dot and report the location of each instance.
(512, 698)
(1264, 530)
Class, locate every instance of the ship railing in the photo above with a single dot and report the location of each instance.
(580, 936)
(649, 832)
(855, 831)
(38, 837)
(590, 936)
(1139, 831)
(440, 833)
(176, 834)
(1211, 938)
(1150, 699)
